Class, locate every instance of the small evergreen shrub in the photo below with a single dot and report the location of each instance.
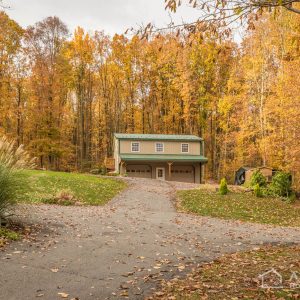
(281, 185)
(258, 178)
(223, 187)
(257, 191)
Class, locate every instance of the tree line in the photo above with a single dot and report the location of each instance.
(63, 95)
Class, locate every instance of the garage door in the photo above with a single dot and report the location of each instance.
(183, 174)
(142, 171)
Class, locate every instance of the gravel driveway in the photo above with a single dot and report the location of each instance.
(124, 248)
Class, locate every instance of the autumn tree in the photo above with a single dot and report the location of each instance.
(10, 47)
(44, 44)
(225, 12)
(81, 56)
(64, 98)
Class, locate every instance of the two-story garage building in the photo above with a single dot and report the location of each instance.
(160, 156)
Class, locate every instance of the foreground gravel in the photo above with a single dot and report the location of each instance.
(121, 250)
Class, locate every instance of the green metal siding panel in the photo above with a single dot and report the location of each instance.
(153, 137)
(163, 157)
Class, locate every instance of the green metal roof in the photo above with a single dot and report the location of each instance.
(165, 137)
(163, 157)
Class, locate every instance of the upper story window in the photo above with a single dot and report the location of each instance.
(135, 147)
(185, 148)
(159, 147)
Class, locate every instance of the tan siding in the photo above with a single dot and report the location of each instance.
(148, 147)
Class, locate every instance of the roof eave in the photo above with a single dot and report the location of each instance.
(165, 159)
(161, 139)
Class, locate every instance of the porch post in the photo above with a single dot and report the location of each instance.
(170, 168)
(200, 173)
(202, 166)
(123, 164)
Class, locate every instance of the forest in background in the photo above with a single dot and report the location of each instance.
(63, 95)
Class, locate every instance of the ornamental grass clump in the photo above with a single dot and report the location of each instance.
(12, 160)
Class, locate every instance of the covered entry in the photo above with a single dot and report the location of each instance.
(182, 168)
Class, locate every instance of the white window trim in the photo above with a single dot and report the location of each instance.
(138, 144)
(188, 147)
(163, 147)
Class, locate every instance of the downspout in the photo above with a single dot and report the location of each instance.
(201, 153)
(119, 156)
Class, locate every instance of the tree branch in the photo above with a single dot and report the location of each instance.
(291, 8)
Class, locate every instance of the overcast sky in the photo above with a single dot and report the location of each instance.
(112, 16)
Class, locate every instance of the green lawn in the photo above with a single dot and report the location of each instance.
(7, 235)
(236, 276)
(239, 206)
(70, 188)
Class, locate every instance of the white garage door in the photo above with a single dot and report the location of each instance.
(183, 174)
(142, 171)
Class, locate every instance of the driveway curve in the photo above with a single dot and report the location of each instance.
(123, 249)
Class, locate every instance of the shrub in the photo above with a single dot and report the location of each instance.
(95, 171)
(223, 187)
(258, 178)
(292, 197)
(103, 170)
(281, 184)
(257, 191)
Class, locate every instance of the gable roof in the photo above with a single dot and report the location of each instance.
(243, 168)
(151, 137)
